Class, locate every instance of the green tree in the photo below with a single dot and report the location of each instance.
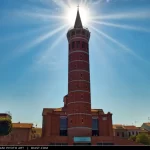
(5, 126)
(132, 137)
(143, 139)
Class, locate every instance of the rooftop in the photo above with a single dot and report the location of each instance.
(147, 123)
(143, 130)
(127, 127)
(131, 127)
(37, 130)
(5, 114)
(22, 125)
(46, 110)
(96, 110)
(58, 109)
(118, 126)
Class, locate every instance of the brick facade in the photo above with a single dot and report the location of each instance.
(77, 103)
(76, 119)
(21, 132)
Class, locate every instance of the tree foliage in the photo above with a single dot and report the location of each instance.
(5, 126)
(143, 139)
(132, 137)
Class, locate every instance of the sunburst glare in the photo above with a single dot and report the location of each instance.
(65, 14)
(38, 40)
(134, 15)
(47, 54)
(71, 15)
(123, 26)
(125, 48)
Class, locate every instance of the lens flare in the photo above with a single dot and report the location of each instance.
(72, 12)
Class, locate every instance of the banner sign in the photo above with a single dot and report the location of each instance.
(82, 139)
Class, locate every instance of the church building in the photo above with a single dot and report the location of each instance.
(76, 123)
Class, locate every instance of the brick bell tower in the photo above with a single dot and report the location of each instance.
(79, 97)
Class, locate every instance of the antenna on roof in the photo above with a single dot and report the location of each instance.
(8, 112)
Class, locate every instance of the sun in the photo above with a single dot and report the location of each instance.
(72, 12)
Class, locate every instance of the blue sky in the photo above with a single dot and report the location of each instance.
(34, 63)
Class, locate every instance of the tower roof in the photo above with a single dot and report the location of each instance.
(78, 22)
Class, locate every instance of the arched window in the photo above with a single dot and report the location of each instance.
(75, 66)
(82, 121)
(81, 75)
(73, 45)
(73, 33)
(78, 32)
(83, 44)
(86, 86)
(78, 44)
(83, 32)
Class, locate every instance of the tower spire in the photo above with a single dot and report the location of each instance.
(78, 7)
(78, 22)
